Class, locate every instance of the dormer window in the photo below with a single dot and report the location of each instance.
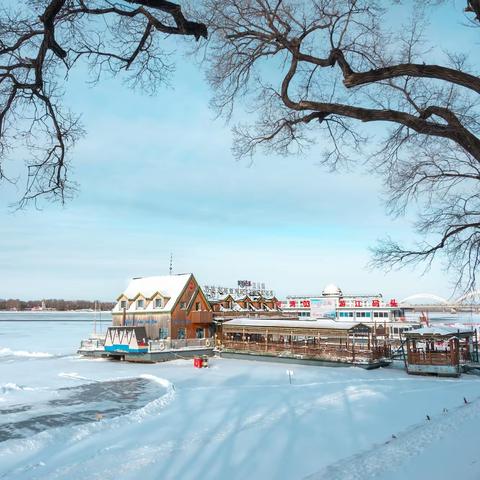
(158, 303)
(140, 304)
(123, 304)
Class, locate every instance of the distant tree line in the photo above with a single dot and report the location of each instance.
(54, 304)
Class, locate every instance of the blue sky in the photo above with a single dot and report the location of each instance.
(156, 175)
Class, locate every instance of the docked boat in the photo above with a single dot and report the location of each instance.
(386, 317)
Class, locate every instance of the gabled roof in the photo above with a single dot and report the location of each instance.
(169, 286)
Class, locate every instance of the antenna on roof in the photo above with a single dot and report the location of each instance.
(171, 263)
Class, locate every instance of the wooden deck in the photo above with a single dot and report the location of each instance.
(325, 352)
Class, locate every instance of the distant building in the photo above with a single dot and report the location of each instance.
(228, 303)
(386, 316)
(169, 307)
(333, 303)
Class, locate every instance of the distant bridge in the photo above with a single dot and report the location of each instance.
(432, 301)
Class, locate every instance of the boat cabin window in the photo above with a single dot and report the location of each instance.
(200, 333)
(181, 333)
(140, 303)
(123, 304)
(158, 303)
(380, 314)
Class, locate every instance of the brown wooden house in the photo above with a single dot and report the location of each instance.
(169, 307)
(230, 306)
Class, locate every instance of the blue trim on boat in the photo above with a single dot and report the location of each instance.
(125, 348)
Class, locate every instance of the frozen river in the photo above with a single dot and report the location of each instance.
(65, 417)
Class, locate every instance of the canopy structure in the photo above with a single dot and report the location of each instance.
(324, 339)
(440, 350)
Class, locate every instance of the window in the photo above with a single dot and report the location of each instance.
(123, 304)
(140, 303)
(183, 305)
(181, 333)
(380, 314)
(200, 333)
(158, 303)
(163, 334)
(197, 306)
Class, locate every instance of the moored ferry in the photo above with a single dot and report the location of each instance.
(386, 317)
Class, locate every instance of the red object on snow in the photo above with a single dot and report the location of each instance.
(197, 362)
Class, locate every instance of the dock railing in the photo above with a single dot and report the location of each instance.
(323, 351)
(433, 358)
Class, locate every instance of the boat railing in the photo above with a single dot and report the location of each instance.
(179, 344)
(92, 344)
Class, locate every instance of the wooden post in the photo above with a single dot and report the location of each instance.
(353, 347)
(476, 346)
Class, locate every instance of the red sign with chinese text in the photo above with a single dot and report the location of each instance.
(375, 303)
(393, 303)
(342, 303)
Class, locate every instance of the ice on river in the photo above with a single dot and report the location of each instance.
(65, 417)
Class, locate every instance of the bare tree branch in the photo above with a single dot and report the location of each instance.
(330, 68)
(41, 38)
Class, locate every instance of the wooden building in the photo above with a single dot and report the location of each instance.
(226, 306)
(439, 350)
(322, 340)
(169, 307)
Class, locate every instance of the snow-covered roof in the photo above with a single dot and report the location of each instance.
(169, 287)
(277, 322)
(437, 330)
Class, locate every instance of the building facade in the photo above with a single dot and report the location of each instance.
(228, 303)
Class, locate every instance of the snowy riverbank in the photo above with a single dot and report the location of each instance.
(235, 420)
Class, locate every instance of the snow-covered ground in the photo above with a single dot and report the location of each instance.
(65, 417)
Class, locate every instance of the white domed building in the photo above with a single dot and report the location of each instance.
(331, 290)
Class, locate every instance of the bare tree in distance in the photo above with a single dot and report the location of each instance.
(332, 70)
(41, 41)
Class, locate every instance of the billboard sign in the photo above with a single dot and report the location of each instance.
(323, 307)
